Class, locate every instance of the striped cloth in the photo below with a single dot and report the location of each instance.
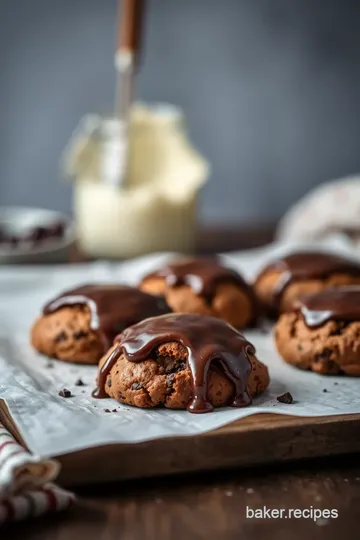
(26, 488)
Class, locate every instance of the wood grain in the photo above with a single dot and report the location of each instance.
(256, 440)
(130, 27)
(211, 506)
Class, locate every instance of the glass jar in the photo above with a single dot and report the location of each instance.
(155, 208)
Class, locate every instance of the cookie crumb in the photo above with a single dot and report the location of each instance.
(263, 326)
(325, 390)
(49, 365)
(107, 410)
(65, 393)
(285, 398)
(61, 337)
(79, 382)
(229, 493)
(80, 335)
(250, 491)
(336, 383)
(114, 410)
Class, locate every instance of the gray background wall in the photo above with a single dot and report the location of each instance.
(271, 89)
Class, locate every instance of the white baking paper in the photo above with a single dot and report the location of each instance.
(52, 425)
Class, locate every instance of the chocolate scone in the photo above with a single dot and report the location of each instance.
(181, 361)
(288, 278)
(206, 287)
(322, 333)
(80, 325)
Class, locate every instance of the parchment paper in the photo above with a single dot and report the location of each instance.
(52, 425)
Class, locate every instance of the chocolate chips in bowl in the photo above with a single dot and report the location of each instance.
(34, 235)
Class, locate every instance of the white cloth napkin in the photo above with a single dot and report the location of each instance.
(26, 488)
(333, 207)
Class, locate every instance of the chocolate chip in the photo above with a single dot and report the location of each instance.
(79, 382)
(107, 410)
(339, 328)
(178, 366)
(65, 393)
(60, 337)
(181, 366)
(336, 332)
(325, 355)
(285, 398)
(136, 386)
(79, 335)
(293, 331)
(170, 379)
(168, 364)
(109, 383)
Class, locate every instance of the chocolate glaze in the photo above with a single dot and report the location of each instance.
(112, 307)
(303, 266)
(201, 274)
(205, 339)
(338, 304)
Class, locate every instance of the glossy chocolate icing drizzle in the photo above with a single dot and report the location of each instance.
(201, 274)
(307, 265)
(112, 307)
(338, 304)
(205, 338)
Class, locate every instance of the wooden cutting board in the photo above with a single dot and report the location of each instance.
(255, 440)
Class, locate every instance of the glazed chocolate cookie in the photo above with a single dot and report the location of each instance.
(287, 279)
(206, 287)
(181, 361)
(322, 333)
(80, 325)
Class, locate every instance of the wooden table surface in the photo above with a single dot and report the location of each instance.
(213, 506)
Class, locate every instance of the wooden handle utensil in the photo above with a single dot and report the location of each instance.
(130, 26)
